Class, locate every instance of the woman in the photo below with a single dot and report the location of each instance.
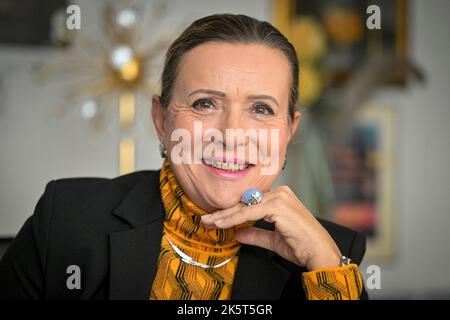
(207, 225)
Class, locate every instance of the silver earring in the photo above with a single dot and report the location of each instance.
(162, 150)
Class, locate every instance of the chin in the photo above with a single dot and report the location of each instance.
(223, 197)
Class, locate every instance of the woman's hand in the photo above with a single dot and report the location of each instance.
(298, 236)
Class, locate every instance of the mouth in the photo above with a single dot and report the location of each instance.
(228, 167)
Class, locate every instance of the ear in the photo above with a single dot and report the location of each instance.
(158, 116)
(294, 124)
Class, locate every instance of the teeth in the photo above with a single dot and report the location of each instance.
(233, 167)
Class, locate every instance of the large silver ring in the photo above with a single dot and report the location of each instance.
(251, 197)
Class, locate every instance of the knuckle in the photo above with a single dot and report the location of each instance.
(284, 192)
(227, 220)
(278, 201)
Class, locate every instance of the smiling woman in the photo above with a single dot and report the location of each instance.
(209, 226)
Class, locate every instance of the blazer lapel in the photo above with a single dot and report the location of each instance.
(134, 252)
(258, 276)
(134, 256)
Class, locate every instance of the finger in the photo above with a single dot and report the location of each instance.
(249, 213)
(256, 237)
(208, 220)
(209, 225)
(220, 214)
(212, 224)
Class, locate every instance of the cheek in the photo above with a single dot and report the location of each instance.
(273, 141)
(175, 120)
(283, 140)
(178, 125)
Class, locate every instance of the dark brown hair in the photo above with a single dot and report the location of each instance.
(231, 28)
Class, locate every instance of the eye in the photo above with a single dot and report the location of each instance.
(262, 108)
(203, 104)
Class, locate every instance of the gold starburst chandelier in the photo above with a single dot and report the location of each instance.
(115, 69)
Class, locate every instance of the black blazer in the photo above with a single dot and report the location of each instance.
(111, 229)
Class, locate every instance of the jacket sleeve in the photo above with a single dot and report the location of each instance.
(22, 267)
(357, 254)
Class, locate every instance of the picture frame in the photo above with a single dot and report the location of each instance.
(363, 171)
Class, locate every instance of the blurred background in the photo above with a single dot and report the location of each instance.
(373, 148)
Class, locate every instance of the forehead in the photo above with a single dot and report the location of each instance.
(235, 69)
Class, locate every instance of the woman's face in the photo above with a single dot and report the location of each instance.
(222, 87)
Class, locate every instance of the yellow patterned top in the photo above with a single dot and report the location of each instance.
(176, 280)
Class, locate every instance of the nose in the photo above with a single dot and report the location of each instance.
(233, 127)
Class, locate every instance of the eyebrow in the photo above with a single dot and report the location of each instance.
(214, 92)
(221, 94)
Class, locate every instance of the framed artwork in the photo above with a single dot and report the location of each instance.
(331, 38)
(363, 168)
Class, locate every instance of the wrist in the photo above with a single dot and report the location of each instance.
(324, 261)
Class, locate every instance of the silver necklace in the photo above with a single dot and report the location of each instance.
(189, 260)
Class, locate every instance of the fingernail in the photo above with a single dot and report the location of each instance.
(219, 223)
(209, 226)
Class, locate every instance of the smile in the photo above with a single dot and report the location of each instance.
(226, 166)
(228, 169)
